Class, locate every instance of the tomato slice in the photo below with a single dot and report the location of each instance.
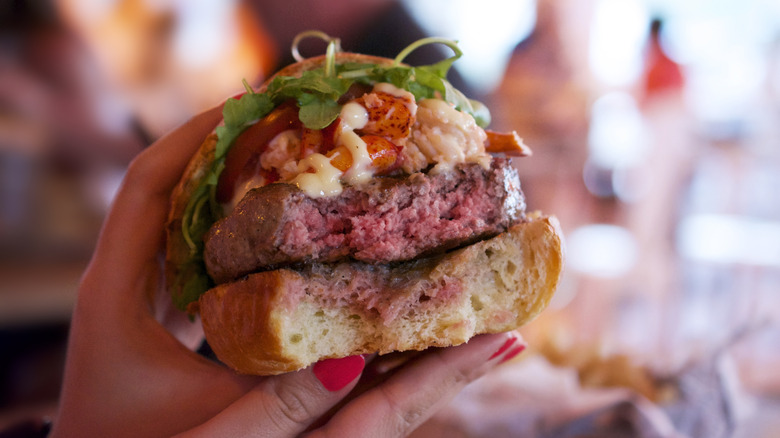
(245, 152)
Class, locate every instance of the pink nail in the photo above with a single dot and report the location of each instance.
(509, 342)
(512, 353)
(335, 374)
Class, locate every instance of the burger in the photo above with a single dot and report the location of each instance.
(354, 204)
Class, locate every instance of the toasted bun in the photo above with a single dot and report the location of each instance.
(503, 283)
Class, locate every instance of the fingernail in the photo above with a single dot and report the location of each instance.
(509, 342)
(335, 374)
(512, 353)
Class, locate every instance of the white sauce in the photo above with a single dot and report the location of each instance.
(360, 171)
(323, 182)
(353, 116)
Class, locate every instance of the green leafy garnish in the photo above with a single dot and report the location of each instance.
(318, 113)
(316, 93)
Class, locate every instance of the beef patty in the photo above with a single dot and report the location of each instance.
(386, 220)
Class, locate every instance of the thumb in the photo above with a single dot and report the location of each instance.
(286, 405)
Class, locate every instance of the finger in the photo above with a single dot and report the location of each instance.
(285, 405)
(422, 387)
(177, 323)
(132, 233)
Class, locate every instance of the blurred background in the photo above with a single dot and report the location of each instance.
(655, 126)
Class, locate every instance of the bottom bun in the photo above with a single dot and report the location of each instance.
(284, 320)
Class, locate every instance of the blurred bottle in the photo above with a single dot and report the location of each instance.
(662, 74)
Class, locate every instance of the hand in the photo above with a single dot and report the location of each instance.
(130, 369)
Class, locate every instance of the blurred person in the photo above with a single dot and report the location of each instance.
(662, 74)
(348, 20)
(644, 136)
(542, 99)
(375, 27)
(170, 60)
(131, 371)
(173, 59)
(50, 80)
(63, 134)
(654, 188)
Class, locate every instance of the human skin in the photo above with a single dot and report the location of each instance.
(131, 370)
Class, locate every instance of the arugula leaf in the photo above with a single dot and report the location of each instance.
(399, 76)
(226, 136)
(429, 79)
(310, 82)
(192, 278)
(481, 113)
(455, 97)
(442, 67)
(316, 112)
(250, 106)
(192, 281)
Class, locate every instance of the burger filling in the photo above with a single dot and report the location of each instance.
(380, 132)
(373, 163)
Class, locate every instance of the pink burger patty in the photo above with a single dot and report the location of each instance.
(388, 220)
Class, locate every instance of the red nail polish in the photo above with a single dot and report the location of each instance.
(509, 342)
(512, 353)
(335, 374)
